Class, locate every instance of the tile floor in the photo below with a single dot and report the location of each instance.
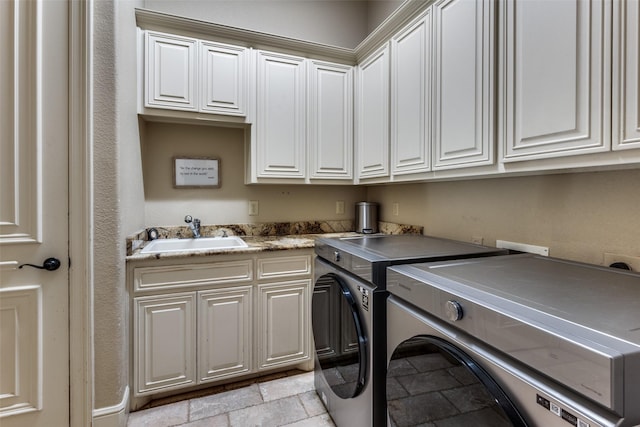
(290, 401)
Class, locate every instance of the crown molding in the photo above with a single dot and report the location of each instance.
(159, 21)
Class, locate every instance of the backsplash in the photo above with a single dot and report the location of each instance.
(266, 229)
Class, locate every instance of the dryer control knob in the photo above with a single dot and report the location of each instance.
(336, 256)
(453, 310)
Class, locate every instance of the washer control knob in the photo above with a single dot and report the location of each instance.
(453, 310)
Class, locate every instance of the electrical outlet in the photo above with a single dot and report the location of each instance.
(523, 247)
(477, 240)
(254, 207)
(632, 261)
(340, 207)
(396, 209)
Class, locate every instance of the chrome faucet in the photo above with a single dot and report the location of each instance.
(194, 225)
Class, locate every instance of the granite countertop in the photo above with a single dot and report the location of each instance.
(259, 237)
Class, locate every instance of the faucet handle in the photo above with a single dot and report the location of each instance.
(188, 219)
(196, 222)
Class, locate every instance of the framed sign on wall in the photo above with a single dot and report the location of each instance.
(196, 172)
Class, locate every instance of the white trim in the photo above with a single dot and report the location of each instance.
(112, 416)
(80, 214)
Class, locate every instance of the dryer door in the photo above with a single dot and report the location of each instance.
(339, 335)
(431, 379)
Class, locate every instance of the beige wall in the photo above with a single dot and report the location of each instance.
(578, 216)
(166, 205)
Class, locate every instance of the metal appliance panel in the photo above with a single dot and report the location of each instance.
(367, 256)
(577, 323)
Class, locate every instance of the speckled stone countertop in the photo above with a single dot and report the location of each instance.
(259, 237)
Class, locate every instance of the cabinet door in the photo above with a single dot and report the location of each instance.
(411, 97)
(164, 342)
(171, 72)
(224, 333)
(626, 75)
(223, 79)
(330, 123)
(372, 126)
(283, 319)
(556, 95)
(464, 108)
(281, 116)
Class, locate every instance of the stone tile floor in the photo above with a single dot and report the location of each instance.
(290, 401)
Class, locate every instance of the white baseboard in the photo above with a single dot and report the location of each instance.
(113, 416)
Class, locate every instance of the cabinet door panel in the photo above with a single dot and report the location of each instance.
(373, 116)
(224, 325)
(330, 120)
(171, 73)
(284, 323)
(281, 115)
(626, 77)
(224, 79)
(411, 97)
(556, 96)
(164, 337)
(463, 83)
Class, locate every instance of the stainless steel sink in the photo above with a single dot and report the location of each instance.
(191, 245)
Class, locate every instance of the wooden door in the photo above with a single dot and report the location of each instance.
(34, 311)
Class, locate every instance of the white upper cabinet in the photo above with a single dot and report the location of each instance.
(555, 98)
(183, 73)
(411, 97)
(464, 83)
(280, 142)
(330, 120)
(223, 78)
(626, 75)
(171, 72)
(372, 116)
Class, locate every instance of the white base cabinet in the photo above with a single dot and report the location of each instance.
(164, 337)
(205, 322)
(224, 332)
(284, 320)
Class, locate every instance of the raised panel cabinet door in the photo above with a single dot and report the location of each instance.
(171, 72)
(330, 123)
(281, 116)
(283, 323)
(372, 116)
(556, 93)
(164, 342)
(626, 75)
(223, 79)
(411, 97)
(464, 107)
(224, 332)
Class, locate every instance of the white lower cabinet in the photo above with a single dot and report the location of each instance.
(164, 337)
(283, 316)
(224, 332)
(219, 321)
